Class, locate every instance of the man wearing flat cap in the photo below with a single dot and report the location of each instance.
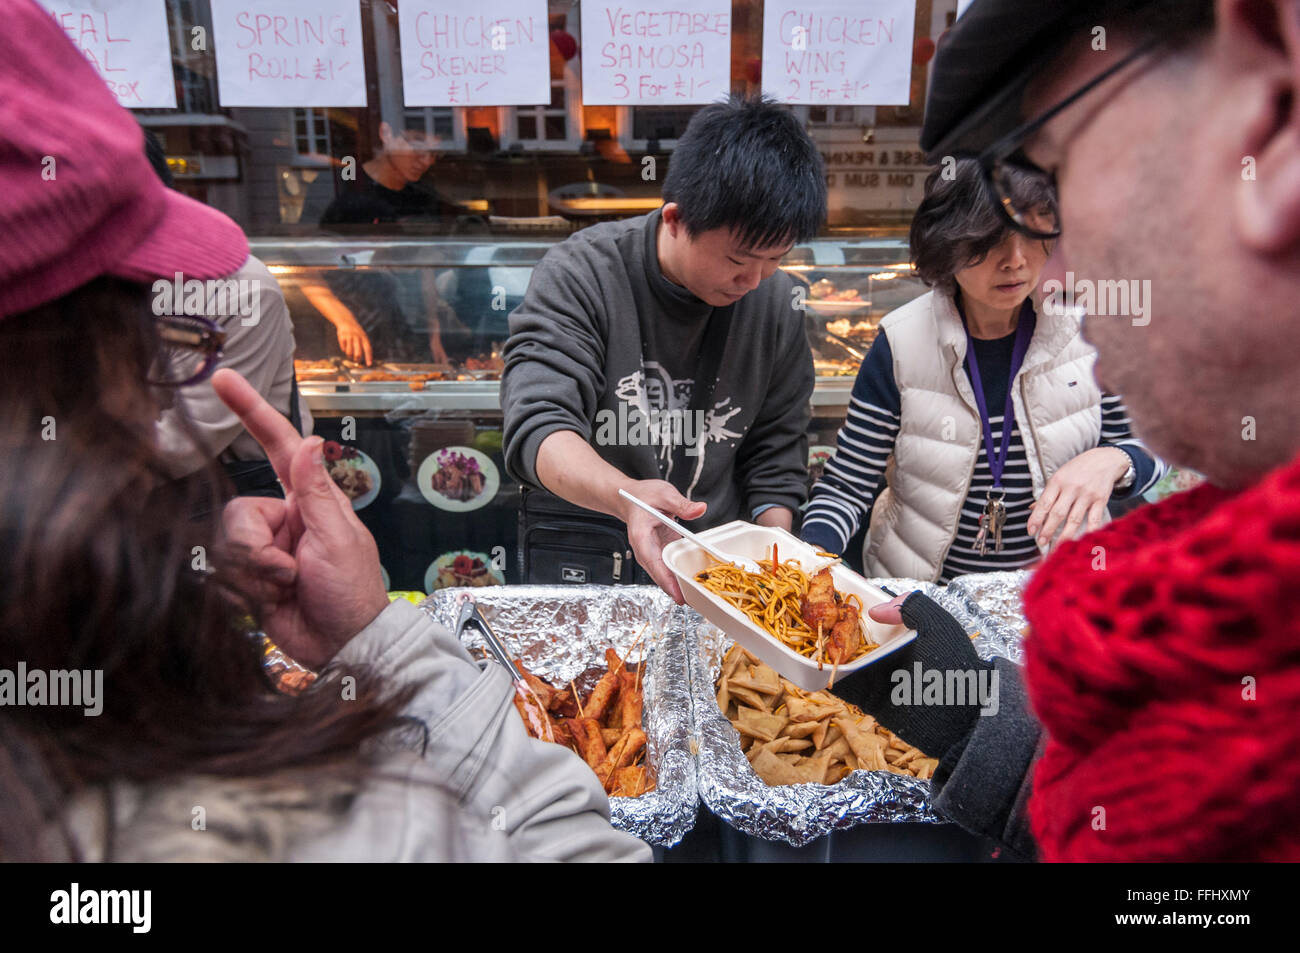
(1161, 654)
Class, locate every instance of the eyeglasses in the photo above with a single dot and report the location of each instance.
(190, 349)
(1010, 175)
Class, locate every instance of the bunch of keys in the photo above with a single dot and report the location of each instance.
(991, 521)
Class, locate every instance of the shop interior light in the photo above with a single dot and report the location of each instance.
(611, 204)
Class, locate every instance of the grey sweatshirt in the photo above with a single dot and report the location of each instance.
(603, 338)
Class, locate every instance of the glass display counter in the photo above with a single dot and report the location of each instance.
(414, 435)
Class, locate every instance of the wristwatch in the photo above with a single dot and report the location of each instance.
(1129, 478)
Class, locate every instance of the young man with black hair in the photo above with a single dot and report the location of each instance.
(666, 354)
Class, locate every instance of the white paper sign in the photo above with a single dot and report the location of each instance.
(126, 40)
(962, 5)
(838, 51)
(289, 52)
(475, 52)
(655, 52)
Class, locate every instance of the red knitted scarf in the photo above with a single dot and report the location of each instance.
(1147, 641)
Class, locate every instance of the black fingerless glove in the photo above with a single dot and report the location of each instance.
(891, 691)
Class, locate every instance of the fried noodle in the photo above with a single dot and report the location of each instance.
(771, 599)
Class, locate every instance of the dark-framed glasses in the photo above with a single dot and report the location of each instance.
(190, 348)
(1018, 186)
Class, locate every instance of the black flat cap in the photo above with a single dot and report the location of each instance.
(987, 59)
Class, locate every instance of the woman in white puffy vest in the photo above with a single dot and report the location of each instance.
(923, 453)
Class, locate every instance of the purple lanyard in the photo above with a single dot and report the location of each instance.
(1024, 331)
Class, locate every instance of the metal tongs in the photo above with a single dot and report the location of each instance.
(469, 613)
(537, 719)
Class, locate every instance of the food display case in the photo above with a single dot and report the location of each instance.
(414, 437)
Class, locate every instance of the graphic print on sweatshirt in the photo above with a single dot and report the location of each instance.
(663, 406)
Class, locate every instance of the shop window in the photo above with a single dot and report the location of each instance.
(643, 125)
(551, 126)
(311, 133)
(444, 122)
(830, 116)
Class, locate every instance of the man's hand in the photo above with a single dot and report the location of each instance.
(648, 536)
(310, 564)
(355, 343)
(1077, 492)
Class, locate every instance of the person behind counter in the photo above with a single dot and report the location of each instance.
(1150, 641)
(371, 309)
(665, 354)
(97, 578)
(946, 376)
(195, 427)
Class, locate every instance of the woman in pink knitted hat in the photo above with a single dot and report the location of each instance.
(107, 590)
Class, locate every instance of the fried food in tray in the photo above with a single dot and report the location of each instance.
(318, 371)
(600, 721)
(804, 613)
(414, 376)
(829, 368)
(791, 736)
(861, 332)
(825, 290)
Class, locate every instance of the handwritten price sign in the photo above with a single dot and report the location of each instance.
(655, 52)
(475, 52)
(126, 40)
(289, 52)
(838, 52)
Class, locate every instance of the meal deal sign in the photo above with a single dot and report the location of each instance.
(126, 40)
(475, 52)
(289, 52)
(655, 52)
(821, 52)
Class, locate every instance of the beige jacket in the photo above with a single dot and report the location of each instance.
(466, 784)
(1058, 410)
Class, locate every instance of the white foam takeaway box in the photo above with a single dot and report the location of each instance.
(739, 538)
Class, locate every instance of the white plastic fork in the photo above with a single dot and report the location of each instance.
(744, 563)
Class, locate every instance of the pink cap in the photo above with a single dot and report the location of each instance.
(78, 197)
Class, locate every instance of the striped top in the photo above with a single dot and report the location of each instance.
(842, 500)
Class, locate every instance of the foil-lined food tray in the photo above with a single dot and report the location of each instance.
(558, 631)
(995, 598)
(798, 813)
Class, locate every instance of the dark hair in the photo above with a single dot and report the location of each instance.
(748, 165)
(957, 224)
(97, 573)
